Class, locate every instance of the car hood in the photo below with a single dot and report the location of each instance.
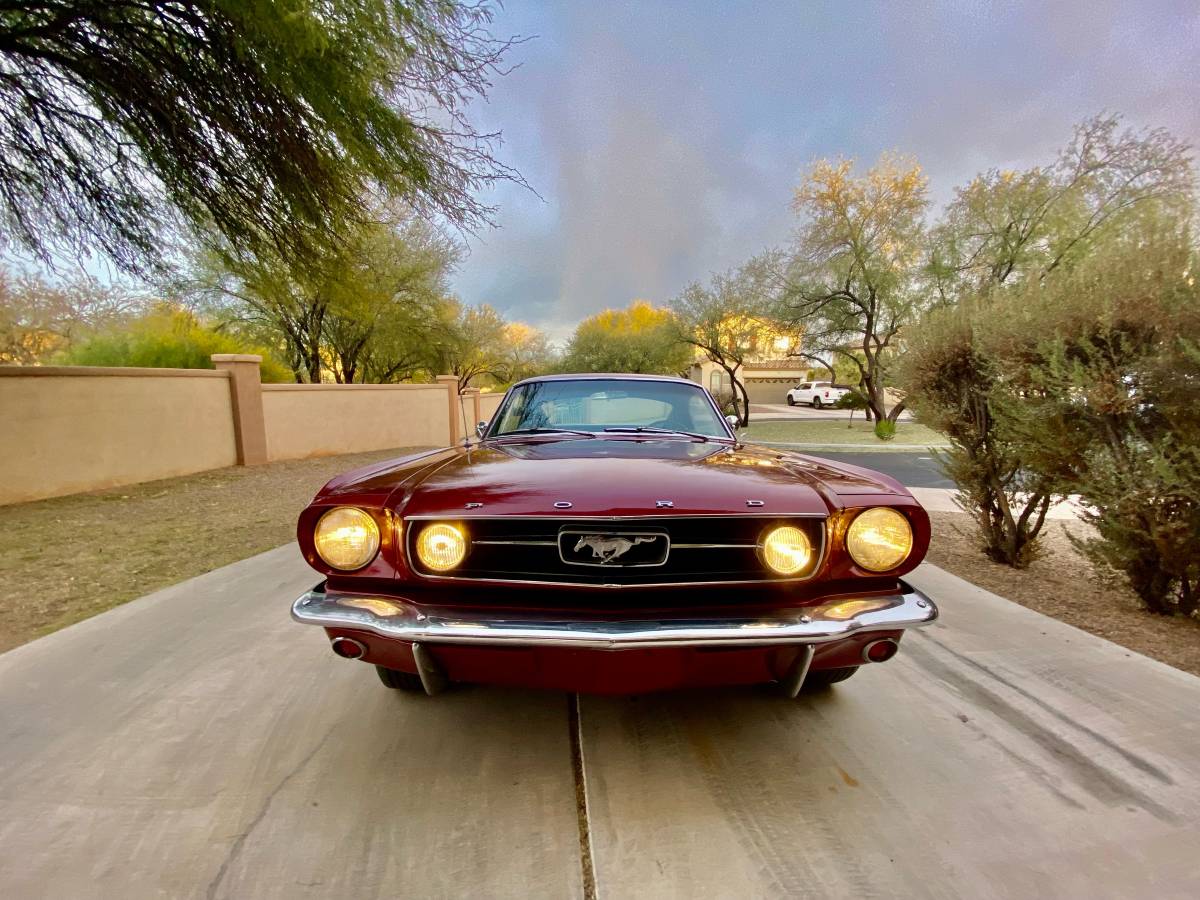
(626, 477)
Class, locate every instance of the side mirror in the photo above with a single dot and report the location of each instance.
(734, 422)
(481, 429)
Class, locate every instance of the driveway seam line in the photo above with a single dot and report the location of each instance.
(587, 854)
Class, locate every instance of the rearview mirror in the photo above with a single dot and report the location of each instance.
(734, 422)
(481, 429)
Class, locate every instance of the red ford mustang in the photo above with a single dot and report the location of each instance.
(609, 533)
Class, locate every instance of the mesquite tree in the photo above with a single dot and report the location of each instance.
(267, 122)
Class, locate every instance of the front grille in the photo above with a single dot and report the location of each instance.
(623, 552)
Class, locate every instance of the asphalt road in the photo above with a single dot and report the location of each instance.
(197, 743)
(911, 469)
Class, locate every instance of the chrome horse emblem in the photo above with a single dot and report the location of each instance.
(607, 548)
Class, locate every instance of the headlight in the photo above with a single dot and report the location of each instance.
(346, 538)
(787, 550)
(879, 539)
(441, 547)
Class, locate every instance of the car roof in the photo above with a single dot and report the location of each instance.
(608, 376)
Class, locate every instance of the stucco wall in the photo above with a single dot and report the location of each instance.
(488, 404)
(79, 429)
(304, 420)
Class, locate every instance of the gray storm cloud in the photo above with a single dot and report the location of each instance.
(666, 141)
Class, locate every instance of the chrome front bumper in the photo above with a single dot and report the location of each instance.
(394, 617)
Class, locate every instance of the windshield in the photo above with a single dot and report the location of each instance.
(597, 404)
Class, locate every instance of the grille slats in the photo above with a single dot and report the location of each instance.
(702, 549)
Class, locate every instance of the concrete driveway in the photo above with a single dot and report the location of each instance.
(196, 743)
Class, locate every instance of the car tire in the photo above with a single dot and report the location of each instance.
(400, 681)
(823, 678)
(791, 400)
(816, 404)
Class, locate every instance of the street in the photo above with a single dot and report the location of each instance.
(197, 743)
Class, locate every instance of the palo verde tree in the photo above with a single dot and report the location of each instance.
(266, 122)
(855, 279)
(642, 339)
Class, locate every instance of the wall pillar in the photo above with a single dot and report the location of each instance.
(454, 407)
(245, 387)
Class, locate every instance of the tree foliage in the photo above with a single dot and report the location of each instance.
(168, 337)
(363, 315)
(1002, 265)
(855, 279)
(731, 318)
(1105, 399)
(642, 339)
(39, 319)
(1008, 226)
(267, 121)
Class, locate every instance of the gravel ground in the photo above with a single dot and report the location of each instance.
(1061, 584)
(69, 558)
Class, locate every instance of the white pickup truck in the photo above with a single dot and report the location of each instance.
(816, 394)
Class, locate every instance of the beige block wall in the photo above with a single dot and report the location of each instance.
(71, 429)
(488, 404)
(304, 420)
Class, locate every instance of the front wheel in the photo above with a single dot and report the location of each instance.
(823, 678)
(816, 403)
(400, 681)
(791, 400)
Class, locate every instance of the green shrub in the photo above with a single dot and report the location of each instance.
(954, 381)
(885, 430)
(167, 337)
(1110, 405)
(1086, 382)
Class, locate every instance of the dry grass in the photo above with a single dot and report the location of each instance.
(1061, 584)
(839, 431)
(70, 558)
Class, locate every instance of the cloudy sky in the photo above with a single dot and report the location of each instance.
(664, 138)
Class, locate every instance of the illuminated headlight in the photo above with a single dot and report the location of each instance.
(879, 539)
(346, 538)
(441, 546)
(787, 550)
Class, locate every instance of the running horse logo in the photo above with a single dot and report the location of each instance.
(607, 548)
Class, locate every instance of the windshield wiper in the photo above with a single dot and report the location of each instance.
(649, 429)
(521, 431)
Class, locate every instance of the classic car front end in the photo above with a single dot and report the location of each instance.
(610, 534)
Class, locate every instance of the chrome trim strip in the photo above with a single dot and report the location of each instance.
(398, 618)
(518, 543)
(714, 546)
(583, 520)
